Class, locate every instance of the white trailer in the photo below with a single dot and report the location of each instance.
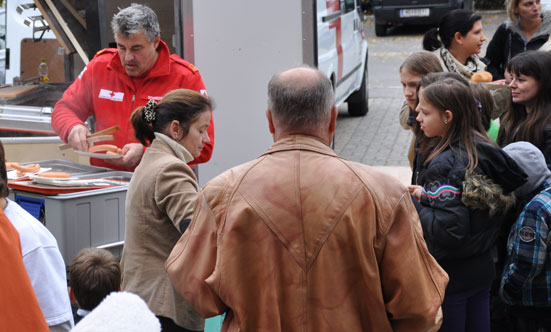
(239, 45)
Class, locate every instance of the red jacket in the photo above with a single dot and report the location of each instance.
(105, 90)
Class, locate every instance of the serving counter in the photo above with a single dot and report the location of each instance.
(90, 214)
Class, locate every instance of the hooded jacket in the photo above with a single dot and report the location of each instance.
(461, 211)
(282, 244)
(526, 280)
(509, 41)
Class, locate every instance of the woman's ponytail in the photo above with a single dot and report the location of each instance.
(143, 130)
(431, 41)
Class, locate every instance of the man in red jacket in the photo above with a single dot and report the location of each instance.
(117, 81)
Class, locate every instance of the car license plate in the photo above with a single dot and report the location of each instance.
(417, 12)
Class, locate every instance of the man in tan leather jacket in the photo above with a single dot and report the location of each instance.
(303, 240)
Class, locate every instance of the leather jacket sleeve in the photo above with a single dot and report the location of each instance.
(197, 248)
(413, 303)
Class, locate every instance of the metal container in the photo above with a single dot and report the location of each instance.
(32, 119)
(92, 218)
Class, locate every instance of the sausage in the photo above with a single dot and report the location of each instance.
(31, 168)
(23, 170)
(111, 153)
(54, 175)
(103, 147)
(11, 165)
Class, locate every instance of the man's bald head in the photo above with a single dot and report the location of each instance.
(300, 100)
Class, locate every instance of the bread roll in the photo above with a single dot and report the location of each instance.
(482, 76)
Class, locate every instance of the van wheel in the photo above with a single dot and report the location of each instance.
(380, 30)
(358, 101)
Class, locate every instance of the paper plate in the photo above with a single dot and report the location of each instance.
(98, 155)
(50, 181)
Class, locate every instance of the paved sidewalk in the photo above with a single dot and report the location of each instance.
(377, 139)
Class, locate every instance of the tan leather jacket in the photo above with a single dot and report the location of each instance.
(303, 240)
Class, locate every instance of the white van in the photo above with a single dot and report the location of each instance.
(342, 52)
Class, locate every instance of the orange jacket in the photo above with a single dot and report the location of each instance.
(303, 240)
(105, 90)
(19, 308)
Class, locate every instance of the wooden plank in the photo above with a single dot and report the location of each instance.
(68, 32)
(31, 54)
(15, 91)
(53, 26)
(73, 12)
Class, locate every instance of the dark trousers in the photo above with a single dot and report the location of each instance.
(467, 311)
(168, 325)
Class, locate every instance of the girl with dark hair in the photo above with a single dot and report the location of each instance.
(530, 118)
(466, 186)
(485, 106)
(456, 42)
(415, 66)
(528, 28)
(160, 198)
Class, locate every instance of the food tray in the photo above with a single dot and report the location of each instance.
(54, 186)
(50, 190)
(60, 165)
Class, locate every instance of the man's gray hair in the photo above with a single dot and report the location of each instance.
(301, 104)
(131, 20)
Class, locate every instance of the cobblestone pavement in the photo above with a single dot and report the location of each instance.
(377, 139)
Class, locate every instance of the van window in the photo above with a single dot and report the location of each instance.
(347, 6)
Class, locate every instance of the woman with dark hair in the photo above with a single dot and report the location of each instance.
(528, 28)
(160, 198)
(456, 42)
(530, 118)
(465, 190)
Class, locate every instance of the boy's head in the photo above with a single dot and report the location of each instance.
(94, 274)
(532, 162)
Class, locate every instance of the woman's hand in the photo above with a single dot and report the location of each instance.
(415, 190)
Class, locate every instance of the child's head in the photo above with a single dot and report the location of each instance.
(532, 162)
(447, 109)
(485, 103)
(416, 66)
(94, 273)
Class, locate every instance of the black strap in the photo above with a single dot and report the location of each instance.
(184, 224)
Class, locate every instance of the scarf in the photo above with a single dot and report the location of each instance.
(474, 65)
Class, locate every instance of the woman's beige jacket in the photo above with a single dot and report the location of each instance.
(161, 195)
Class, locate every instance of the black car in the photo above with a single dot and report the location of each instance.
(413, 12)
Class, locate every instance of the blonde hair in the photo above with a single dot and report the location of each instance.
(510, 7)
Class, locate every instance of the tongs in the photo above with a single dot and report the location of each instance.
(102, 135)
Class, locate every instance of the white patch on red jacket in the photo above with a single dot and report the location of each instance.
(108, 94)
(82, 72)
(156, 98)
(203, 92)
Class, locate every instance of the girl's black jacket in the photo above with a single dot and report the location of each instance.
(461, 211)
